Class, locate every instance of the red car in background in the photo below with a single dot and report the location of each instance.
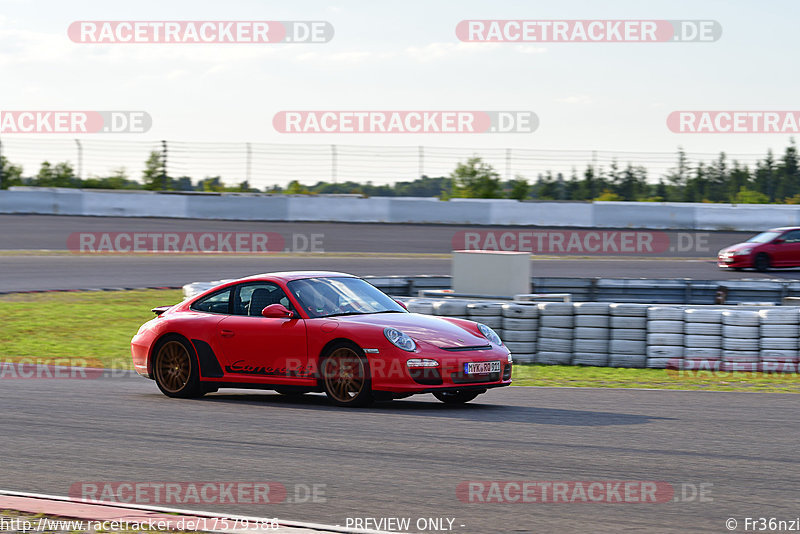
(300, 332)
(779, 247)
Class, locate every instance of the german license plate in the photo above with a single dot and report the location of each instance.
(481, 368)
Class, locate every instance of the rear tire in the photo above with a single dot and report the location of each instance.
(175, 368)
(346, 375)
(761, 263)
(456, 397)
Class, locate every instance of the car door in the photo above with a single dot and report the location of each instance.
(262, 349)
(787, 253)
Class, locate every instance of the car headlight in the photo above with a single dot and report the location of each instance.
(490, 334)
(400, 339)
(743, 252)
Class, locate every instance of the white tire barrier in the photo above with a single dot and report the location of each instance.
(520, 311)
(520, 347)
(742, 332)
(521, 335)
(704, 329)
(632, 334)
(665, 339)
(629, 322)
(779, 355)
(665, 351)
(491, 322)
(554, 358)
(662, 363)
(739, 356)
(624, 346)
(699, 315)
(510, 323)
(555, 308)
(418, 306)
(592, 321)
(665, 327)
(450, 308)
(593, 346)
(626, 360)
(780, 330)
(780, 343)
(479, 309)
(732, 343)
(665, 313)
(554, 345)
(585, 332)
(693, 340)
(701, 365)
(740, 318)
(590, 359)
(702, 353)
(625, 309)
(556, 321)
(556, 333)
(781, 316)
(730, 367)
(591, 308)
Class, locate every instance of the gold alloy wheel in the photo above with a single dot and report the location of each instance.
(345, 375)
(173, 366)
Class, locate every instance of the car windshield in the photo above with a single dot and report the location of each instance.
(764, 237)
(328, 297)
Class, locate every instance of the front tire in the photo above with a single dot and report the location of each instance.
(175, 368)
(456, 397)
(761, 263)
(346, 376)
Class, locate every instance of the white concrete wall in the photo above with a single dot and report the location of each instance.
(54, 201)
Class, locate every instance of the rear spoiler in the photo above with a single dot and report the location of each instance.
(158, 310)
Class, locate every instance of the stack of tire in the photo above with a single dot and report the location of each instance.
(703, 339)
(520, 330)
(780, 328)
(451, 308)
(628, 346)
(424, 306)
(556, 321)
(740, 340)
(665, 328)
(490, 314)
(592, 332)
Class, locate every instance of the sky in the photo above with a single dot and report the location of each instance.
(607, 97)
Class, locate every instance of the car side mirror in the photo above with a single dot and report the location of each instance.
(277, 311)
(402, 304)
(778, 241)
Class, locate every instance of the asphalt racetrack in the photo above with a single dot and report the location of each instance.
(361, 249)
(406, 458)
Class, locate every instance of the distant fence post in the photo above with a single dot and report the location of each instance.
(163, 165)
(80, 159)
(1, 164)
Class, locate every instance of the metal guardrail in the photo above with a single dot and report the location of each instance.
(645, 290)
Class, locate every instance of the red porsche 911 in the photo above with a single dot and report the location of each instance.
(300, 332)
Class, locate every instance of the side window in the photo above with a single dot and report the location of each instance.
(250, 299)
(792, 237)
(218, 302)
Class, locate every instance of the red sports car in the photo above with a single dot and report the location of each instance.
(779, 247)
(300, 332)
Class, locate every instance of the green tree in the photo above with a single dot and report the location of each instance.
(10, 174)
(60, 175)
(748, 196)
(476, 179)
(154, 174)
(520, 188)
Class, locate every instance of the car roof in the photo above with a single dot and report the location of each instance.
(784, 228)
(288, 276)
